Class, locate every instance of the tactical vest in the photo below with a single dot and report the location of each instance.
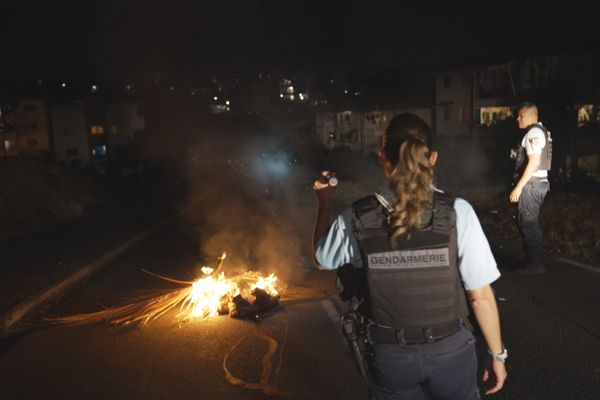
(545, 159)
(417, 283)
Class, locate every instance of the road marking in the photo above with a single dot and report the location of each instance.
(302, 300)
(578, 264)
(263, 385)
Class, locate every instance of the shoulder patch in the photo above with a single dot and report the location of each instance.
(534, 141)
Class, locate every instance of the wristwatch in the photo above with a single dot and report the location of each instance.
(499, 357)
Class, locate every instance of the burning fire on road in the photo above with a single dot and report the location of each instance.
(246, 295)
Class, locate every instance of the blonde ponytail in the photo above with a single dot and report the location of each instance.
(406, 153)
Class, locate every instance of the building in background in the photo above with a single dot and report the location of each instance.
(70, 133)
(25, 129)
(90, 132)
(360, 131)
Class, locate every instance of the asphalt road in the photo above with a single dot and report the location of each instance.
(296, 351)
(550, 323)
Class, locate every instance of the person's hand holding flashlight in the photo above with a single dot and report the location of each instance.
(323, 188)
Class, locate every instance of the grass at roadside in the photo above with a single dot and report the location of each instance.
(570, 222)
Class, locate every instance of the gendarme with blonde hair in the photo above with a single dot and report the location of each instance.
(422, 257)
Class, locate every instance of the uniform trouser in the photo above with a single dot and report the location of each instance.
(530, 204)
(447, 369)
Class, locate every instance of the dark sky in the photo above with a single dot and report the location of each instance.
(119, 39)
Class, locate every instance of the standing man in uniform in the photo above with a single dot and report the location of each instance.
(533, 159)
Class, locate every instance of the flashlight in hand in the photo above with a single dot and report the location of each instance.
(332, 180)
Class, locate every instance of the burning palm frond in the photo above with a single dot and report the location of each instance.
(208, 296)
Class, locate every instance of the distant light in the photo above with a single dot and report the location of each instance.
(94, 88)
(331, 81)
(357, 93)
(228, 109)
(215, 98)
(63, 84)
(172, 88)
(345, 91)
(128, 87)
(301, 96)
(40, 82)
(281, 95)
(227, 102)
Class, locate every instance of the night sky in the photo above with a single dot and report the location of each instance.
(122, 39)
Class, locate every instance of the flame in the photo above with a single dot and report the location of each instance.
(208, 296)
(267, 284)
(211, 296)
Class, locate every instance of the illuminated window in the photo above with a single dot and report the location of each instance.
(584, 114)
(99, 150)
(97, 130)
(491, 115)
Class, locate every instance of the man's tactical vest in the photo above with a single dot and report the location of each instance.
(415, 285)
(545, 159)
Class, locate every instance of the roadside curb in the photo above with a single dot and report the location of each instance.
(506, 249)
(11, 322)
(578, 264)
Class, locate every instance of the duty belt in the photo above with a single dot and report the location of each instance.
(385, 335)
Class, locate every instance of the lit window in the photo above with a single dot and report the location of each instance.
(99, 150)
(584, 114)
(97, 130)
